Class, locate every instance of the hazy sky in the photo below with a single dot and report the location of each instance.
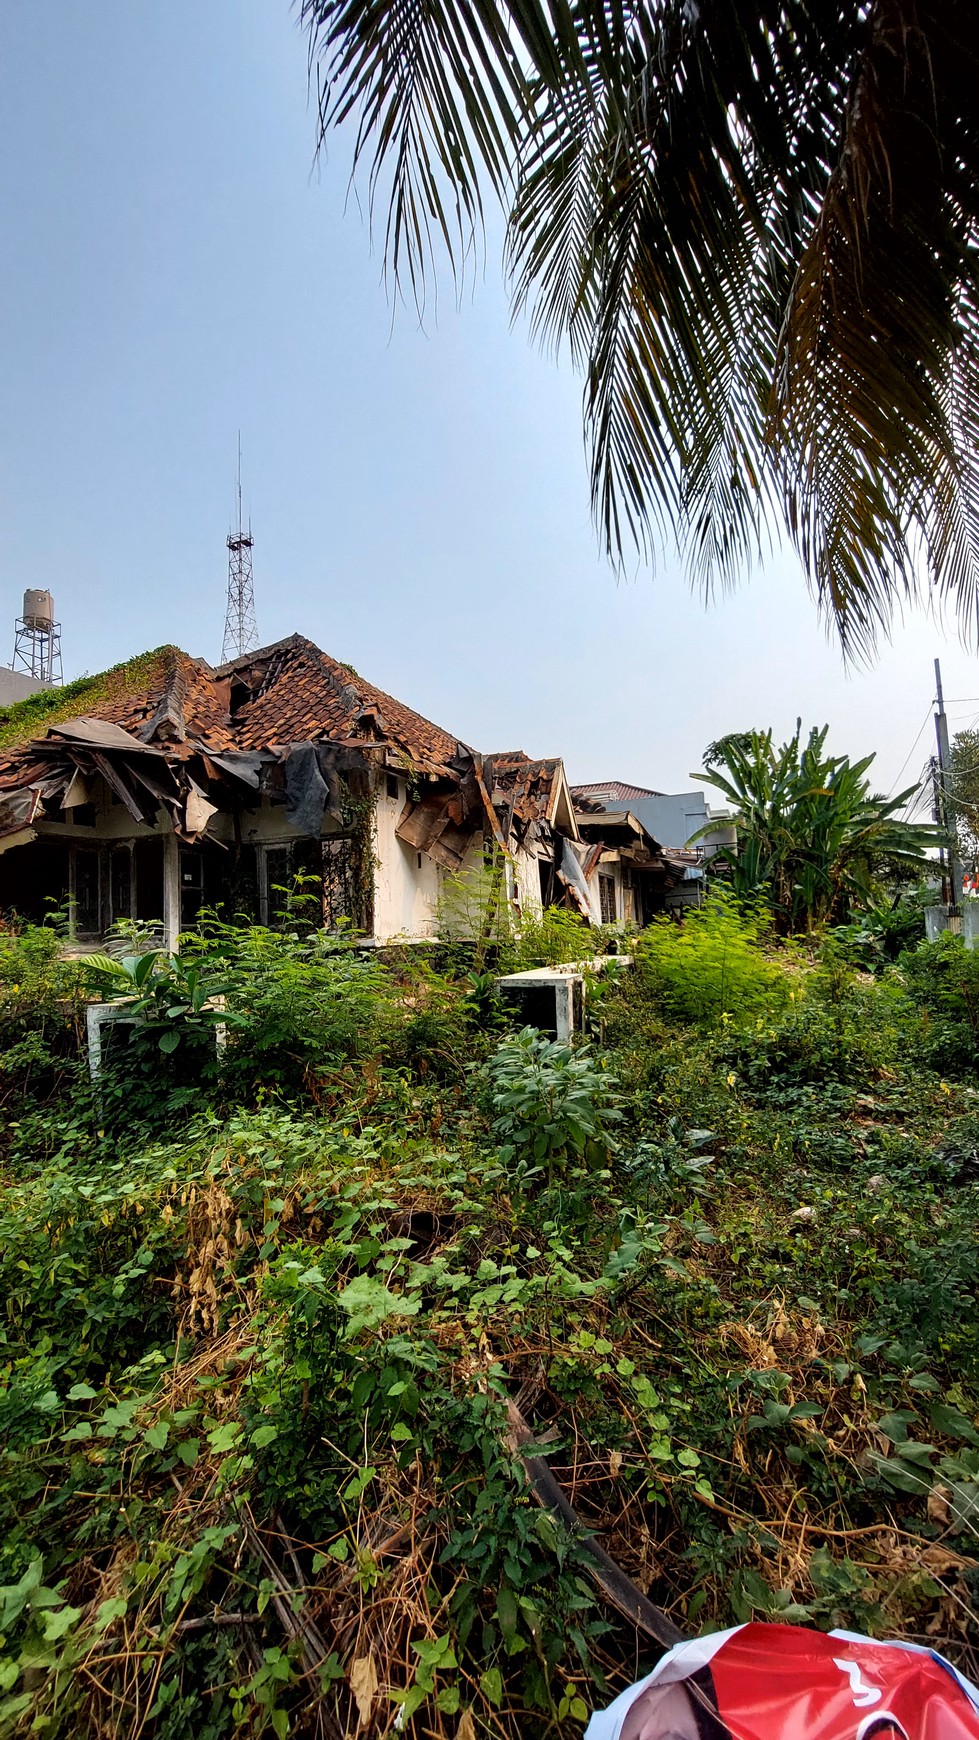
(176, 267)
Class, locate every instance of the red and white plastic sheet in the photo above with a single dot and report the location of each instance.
(782, 1682)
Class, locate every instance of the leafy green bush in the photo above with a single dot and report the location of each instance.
(303, 1006)
(166, 1057)
(429, 1022)
(839, 1028)
(41, 1017)
(712, 965)
(289, 1010)
(555, 935)
(548, 1105)
(881, 934)
(943, 979)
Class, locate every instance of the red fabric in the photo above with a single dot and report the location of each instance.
(778, 1682)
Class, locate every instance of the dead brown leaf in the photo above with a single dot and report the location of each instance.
(362, 1676)
(939, 1509)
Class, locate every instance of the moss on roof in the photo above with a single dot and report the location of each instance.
(31, 717)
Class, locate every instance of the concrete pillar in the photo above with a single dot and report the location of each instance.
(564, 1008)
(171, 890)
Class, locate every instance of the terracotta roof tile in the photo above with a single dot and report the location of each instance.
(290, 692)
(297, 692)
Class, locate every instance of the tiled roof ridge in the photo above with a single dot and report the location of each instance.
(262, 652)
(170, 711)
(504, 758)
(623, 787)
(343, 692)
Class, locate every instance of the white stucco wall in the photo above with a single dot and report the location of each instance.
(406, 882)
(526, 883)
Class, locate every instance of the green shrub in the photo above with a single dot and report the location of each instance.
(943, 979)
(473, 917)
(712, 965)
(302, 1005)
(434, 1025)
(548, 1104)
(41, 1017)
(554, 935)
(839, 1028)
(294, 1008)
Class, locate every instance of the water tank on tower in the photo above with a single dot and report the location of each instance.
(37, 641)
(38, 609)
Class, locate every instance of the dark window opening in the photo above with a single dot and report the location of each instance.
(316, 883)
(84, 815)
(35, 879)
(339, 891)
(204, 872)
(191, 886)
(393, 788)
(148, 869)
(277, 881)
(120, 883)
(606, 899)
(546, 872)
(85, 893)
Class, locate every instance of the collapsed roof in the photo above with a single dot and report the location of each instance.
(167, 731)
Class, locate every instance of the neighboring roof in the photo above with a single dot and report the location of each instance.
(617, 790)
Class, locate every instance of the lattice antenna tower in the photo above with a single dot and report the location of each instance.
(240, 626)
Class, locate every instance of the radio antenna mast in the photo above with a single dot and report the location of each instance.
(240, 627)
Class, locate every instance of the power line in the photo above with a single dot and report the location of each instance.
(925, 721)
(921, 795)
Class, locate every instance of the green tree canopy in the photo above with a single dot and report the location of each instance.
(812, 837)
(963, 793)
(754, 222)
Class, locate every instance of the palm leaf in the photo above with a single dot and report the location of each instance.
(755, 225)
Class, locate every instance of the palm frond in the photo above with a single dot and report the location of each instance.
(755, 222)
(867, 400)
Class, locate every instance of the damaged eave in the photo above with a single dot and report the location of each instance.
(561, 813)
(618, 827)
(64, 766)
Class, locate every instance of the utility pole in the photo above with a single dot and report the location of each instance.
(936, 816)
(946, 817)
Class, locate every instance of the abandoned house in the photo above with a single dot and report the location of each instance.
(166, 785)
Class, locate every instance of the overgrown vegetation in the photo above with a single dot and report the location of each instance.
(269, 1305)
(32, 716)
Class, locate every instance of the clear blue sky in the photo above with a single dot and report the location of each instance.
(176, 267)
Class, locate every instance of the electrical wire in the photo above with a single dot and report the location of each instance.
(914, 746)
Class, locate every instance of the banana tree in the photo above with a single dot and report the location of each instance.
(813, 838)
